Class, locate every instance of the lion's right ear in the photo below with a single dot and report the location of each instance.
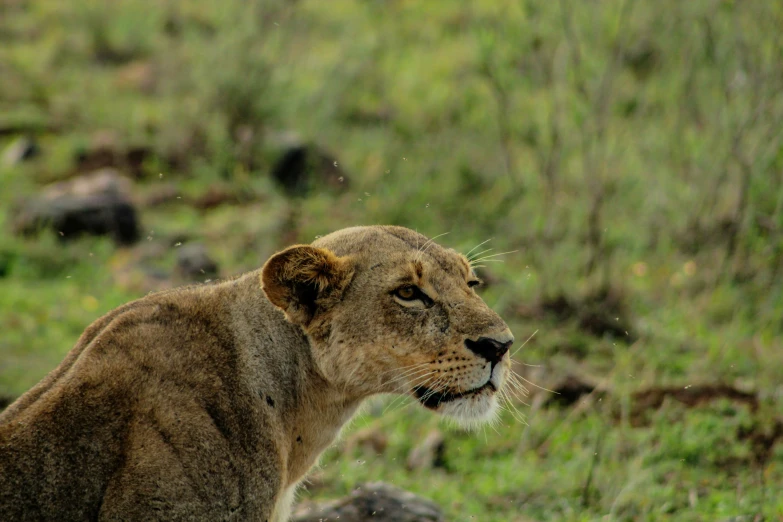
(303, 280)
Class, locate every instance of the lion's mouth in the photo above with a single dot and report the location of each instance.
(431, 399)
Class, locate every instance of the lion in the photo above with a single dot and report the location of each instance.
(212, 402)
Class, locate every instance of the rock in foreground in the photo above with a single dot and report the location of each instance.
(376, 502)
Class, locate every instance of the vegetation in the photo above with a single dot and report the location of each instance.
(629, 153)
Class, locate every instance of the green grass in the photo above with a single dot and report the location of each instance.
(616, 144)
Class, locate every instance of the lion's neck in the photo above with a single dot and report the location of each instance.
(305, 409)
(318, 422)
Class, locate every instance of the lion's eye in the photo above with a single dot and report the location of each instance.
(474, 283)
(411, 295)
(406, 293)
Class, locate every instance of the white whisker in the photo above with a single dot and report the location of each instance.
(536, 385)
(514, 411)
(518, 391)
(494, 255)
(402, 396)
(415, 375)
(422, 249)
(474, 256)
(403, 368)
(475, 247)
(523, 344)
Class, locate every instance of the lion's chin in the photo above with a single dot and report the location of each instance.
(473, 411)
(469, 409)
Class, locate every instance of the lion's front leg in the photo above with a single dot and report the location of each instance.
(284, 504)
(170, 475)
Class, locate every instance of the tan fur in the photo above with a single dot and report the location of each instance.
(208, 403)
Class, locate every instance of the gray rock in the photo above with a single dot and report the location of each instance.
(94, 204)
(304, 168)
(376, 502)
(195, 264)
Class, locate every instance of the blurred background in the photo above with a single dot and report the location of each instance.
(628, 154)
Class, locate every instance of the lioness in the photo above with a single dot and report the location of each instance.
(212, 402)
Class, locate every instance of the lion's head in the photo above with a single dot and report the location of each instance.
(389, 311)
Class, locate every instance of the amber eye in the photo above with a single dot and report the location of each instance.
(406, 293)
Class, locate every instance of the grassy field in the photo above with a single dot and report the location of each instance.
(629, 153)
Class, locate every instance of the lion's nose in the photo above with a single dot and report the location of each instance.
(490, 349)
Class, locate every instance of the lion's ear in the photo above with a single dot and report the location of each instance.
(302, 280)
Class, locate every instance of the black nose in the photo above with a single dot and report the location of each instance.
(489, 349)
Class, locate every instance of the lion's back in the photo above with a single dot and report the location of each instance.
(147, 409)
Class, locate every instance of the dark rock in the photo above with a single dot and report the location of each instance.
(762, 439)
(691, 396)
(429, 453)
(106, 154)
(569, 391)
(5, 401)
(21, 149)
(643, 58)
(37, 124)
(216, 196)
(96, 204)
(195, 264)
(699, 236)
(600, 313)
(376, 501)
(559, 306)
(302, 169)
(7, 258)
